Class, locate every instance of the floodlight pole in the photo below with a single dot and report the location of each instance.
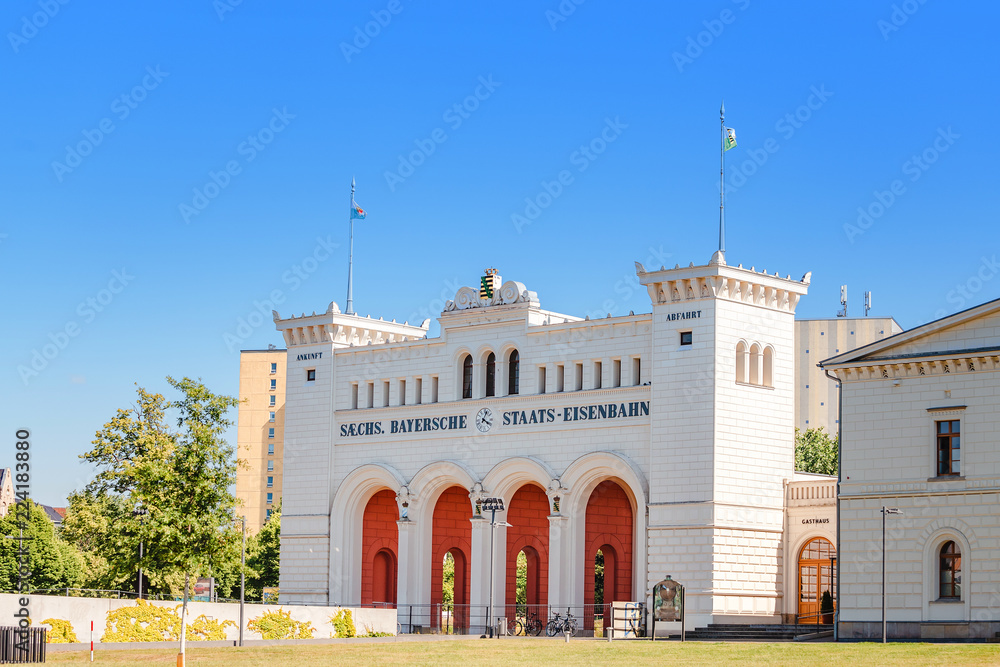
(493, 532)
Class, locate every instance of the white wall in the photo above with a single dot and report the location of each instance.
(81, 611)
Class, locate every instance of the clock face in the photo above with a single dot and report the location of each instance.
(484, 420)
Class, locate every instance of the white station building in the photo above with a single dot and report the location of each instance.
(663, 440)
(921, 414)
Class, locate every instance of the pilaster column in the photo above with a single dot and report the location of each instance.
(479, 592)
(502, 377)
(560, 551)
(478, 379)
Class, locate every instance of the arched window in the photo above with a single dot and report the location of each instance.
(768, 379)
(755, 364)
(467, 376)
(741, 362)
(491, 375)
(950, 571)
(513, 372)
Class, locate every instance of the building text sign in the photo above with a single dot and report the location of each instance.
(484, 419)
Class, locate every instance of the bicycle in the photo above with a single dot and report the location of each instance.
(514, 626)
(532, 625)
(559, 624)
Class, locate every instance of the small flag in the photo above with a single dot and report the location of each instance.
(730, 139)
(357, 212)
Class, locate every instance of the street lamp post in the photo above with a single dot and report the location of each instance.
(492, 505)
(140, 512)
(243, 563)
(885, 511)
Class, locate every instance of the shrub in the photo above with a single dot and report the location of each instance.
(205, 629)
(61, 632)
(371, 633)
(343, 624)
(142, 623)
(280, 625)
(151, 623)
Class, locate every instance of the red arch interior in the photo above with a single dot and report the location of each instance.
(452, 532)
(609, 529)
(379, 535)
(528, 515)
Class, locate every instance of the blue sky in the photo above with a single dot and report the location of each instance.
(165, 169)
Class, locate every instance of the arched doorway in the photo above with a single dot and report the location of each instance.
(384, 578)
(528, 533)
(610, 525)
(817, 576)
(379, 545)
(452, 534)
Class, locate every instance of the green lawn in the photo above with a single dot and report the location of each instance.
(556, 652)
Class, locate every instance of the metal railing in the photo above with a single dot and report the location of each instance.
(509, 620)
(815, 618)
(118, 595)
(22, 645)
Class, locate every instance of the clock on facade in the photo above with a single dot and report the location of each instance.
(484, 420)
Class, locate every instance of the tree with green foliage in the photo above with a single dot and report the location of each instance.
(263, 556)
(181, 478)
(521, 590)
(52, 562)
(816, 451)
(448, 581)
(102, 530)
(599, 578)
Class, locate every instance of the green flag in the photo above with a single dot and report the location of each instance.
(730, 141)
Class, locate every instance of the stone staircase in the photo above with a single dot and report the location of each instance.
(732, 632)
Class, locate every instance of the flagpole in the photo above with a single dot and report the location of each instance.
(350, 256)
(722, 179)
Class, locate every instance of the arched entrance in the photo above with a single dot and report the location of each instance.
(817, 575)
(452, 534)
(380, 543)
(609, 522)
(527, 514)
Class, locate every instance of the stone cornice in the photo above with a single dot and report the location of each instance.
(343, 330)
(943, 363)
(718, 281)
